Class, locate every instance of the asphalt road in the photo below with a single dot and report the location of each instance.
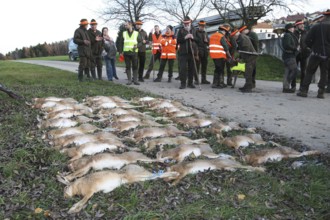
(306, 120)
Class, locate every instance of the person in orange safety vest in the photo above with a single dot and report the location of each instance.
(218, 52)
(156, 49)
(168, 43)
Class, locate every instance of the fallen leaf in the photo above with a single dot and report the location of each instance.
(38, 210)
(241, 197)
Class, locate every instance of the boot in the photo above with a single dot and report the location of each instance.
(158, 79)
(129, 77)
(141, 79)
(93, 73)
(135, 78)
(80, 75)
(229, 79)
(147, 76)
(99, 73)
(302, 93)
(247, 88)
(169, 79)
(192, 86)
(177, 78)
(216, 81)
(87, 74)
(320, 93)
(204, 81)
(182, 86)
(222, 81)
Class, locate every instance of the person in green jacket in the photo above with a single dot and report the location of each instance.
(97, 48)
(290, 51)
(81, 38)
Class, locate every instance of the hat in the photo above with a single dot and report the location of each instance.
(288, 26)
(202, 23)
(298, 22)
(186, 20)
(93, 22)
(83, 22)
(327, 12)
(224, 27)
(170, 27)
(138, 22)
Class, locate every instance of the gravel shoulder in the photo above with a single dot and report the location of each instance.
(303, 120)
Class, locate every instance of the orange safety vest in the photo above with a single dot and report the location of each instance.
(216, 49)
(156, 46)
(168, 48)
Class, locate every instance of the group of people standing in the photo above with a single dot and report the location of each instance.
(191, 47)
(310, 49)
(93, 47)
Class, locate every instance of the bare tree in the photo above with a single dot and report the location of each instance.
(131, 10)
(247, 11)
(178, 9)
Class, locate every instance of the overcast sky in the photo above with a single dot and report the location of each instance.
(26, 23)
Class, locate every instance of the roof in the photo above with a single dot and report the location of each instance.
(263, 25)
(293, 18)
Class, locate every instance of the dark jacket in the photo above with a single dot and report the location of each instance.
(110, 48)
(142, 36)
(79, 36)
(318, 38)
(185, 43)
(244, 44)
(303, 50)
(254, 39)
(97, 46)
(290, 45)
(203, 43)
(231, 43)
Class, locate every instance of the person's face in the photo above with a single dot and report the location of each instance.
(187, 26)
(246, 31)
(138, 26)
(128, 26)
(157, 29)
(105, 32)
(201, 27)
(291, 29)
(301, 27)
(93, 27)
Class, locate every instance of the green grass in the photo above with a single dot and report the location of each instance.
(28, 168)
(268, 67)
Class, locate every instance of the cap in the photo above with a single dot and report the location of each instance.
(186, 20)
(202, 23)
(288, 26)
(138, 22)
(298, 22)
(93, 22)
(83, 22)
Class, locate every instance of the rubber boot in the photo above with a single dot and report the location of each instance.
(135, 77)
(229, 79)
(320, 93)
(204, 81)
(129, 77)
(99, 73)
(93, 73)
(222, 81)
(80, 75)
(87, 74)
(216, 81)
(147, 76)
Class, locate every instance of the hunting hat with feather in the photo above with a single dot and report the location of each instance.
(83, 22)
(138, 22)
(326, 13)
(186, 20)
(288, 26)
(201, 23)
(93, 22)
(298, 22)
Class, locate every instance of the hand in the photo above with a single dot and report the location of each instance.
(144, 41)
(189, 36)
(98, 38)
(86, 42)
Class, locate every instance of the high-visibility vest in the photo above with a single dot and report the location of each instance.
(130, 41)
(168, 48)
(156, 46)
(216, 49)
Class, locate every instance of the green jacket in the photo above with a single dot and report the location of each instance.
(245, 45)
(290, 45)
(254, 39)
(97, 46)
(79, 36)
(142, 36)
